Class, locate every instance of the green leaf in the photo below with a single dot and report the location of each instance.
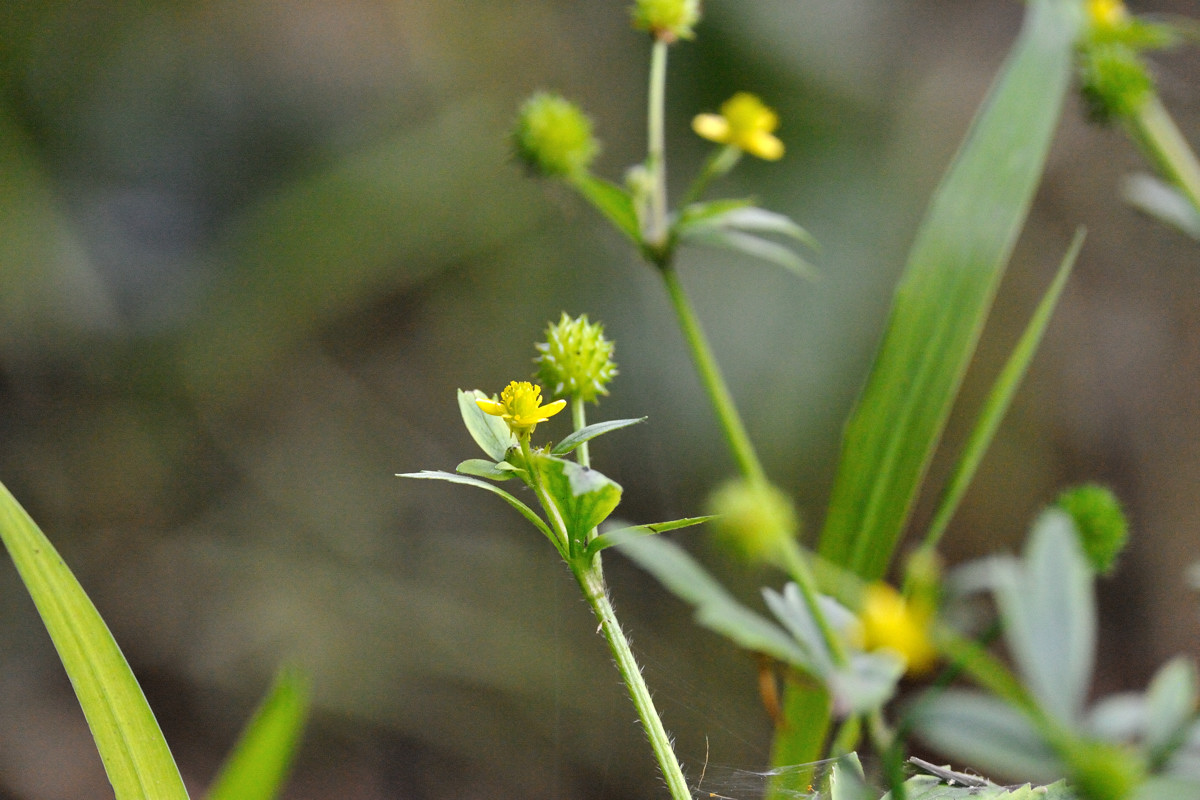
(623, 535)
(1000, 397)
(943, 298)
(699, 213)
(800, 736)
(1170, 706)
(1049, 614)
(262, 758)
(584, 496)
(135, 754)
(986, 733)
(586, 434)
(613, 202)
(489, 432)
(716, 609)
(526, 511)
(754, 246)
(482, 468)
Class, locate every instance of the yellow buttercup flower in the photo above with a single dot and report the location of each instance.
(745, 123)
(887, 620)
(520, 406)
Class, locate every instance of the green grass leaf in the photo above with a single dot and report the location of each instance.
(259, 763)
(135, 754)
(944, 296)
(1000, 398)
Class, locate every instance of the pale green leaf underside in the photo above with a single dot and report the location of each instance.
(526, 511)
(944, 296)
(258, 765)
(135, 754)
(590, 432)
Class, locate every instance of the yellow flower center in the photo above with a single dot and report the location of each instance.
(520, 405)
(745, 123)
(1107, 13)
(887, 621)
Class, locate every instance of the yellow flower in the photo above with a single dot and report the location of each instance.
(888, 621)
(520, 405)
(745, 123)
(1107, 13)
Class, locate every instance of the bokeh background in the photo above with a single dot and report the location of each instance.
(249, 250)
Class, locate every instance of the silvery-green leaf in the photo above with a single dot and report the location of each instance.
(590, 432)
(489, 432)
(751, 245)
(1118, 717)
(526, 511)
(716, 608)
(866, 683)
(482, 468)
(1170, 705)
(1164, 202)
(1046, 601)
(987, 733)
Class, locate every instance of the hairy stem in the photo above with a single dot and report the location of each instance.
(591, 581)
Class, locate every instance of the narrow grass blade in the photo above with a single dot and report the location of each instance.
(135, 754)
(942, 301)
(259, 763)
(1000, 398)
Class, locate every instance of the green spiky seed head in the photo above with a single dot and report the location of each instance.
(553, 137)
(667, 19)
(576, 359)
(754, 519)
(1113, 80)
(1103, 528)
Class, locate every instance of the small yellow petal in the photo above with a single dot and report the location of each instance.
(491, 407)
(764, 146)
(713, 127)
(550, 409)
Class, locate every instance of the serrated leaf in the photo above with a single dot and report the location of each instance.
(489, 432)
(260, 761)
(716, 609)
(945, 293)
(1048, 608)
(526, 511)
(622, 535)
(586, 434)
(136, 757)
(751, 245)
(985, 732)
(482, 468)
(613, 202)
(584, 496)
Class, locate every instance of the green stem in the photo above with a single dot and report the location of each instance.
(1155, 130)
(579, 420)
(714, 383)
(591, 581)
(719, 162)
(656, 153)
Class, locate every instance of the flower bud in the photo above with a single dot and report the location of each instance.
(667, 19)
(553, 137)
(576, 359)
(1102, 526)
(1113, 80)
(1103, 771)
(754, 519)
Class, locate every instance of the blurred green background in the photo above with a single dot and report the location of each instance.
(249, 250)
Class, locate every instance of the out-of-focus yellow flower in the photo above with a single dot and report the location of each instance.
(520, 405)
(1107, 13)
(745, 123)
(887, 621)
